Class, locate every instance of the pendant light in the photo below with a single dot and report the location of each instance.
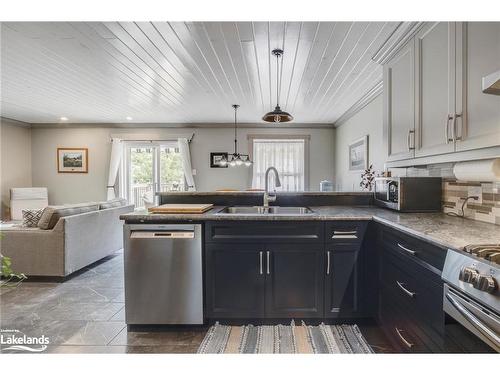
(236, 159)
(277, 115)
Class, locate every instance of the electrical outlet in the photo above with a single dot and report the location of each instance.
(193, 171)
(476, 191)
(496, 187)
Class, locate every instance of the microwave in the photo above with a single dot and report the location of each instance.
(409, 194)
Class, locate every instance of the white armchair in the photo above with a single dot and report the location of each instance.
(27, 198)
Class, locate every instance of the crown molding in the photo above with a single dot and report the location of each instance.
(403, 33)
(10, 121)
(360, 104)
(137, 125)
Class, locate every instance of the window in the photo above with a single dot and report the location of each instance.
(150, 168)
(287, 155)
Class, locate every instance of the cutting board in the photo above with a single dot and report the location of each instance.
(172, 208)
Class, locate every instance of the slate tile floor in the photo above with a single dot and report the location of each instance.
(85, 314)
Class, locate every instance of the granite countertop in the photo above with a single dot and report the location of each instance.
(320, 213)
(438, 228)
(260, 192)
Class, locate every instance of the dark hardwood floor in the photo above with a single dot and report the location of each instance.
(85, 314)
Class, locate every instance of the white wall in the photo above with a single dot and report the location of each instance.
(69, 188)
(15, 160)
(368, 121)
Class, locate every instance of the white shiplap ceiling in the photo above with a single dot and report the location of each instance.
(185, 72)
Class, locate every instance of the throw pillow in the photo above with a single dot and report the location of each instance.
(31, 217)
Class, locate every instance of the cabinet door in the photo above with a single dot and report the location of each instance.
(234, 281)
(399, 104)
(341, 283)
(435, 88)
(479, 125)
(294, 281)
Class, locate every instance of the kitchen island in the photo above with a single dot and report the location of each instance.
(338, 264)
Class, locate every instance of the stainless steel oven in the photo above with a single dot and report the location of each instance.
(409, 194)
(471, 294)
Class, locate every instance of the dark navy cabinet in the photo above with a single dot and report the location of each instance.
(411, 291)
(234, 282)
(294, 281)
(289, 269)
(342, 279)
(338, 270)
(344, 241)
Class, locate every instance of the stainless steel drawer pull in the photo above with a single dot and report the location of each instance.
(447, 129)
(268, 261)
(260, 262)
(327, 262)
(412, 252)
(345, 234)
(408, 344)
(401, 286)
(408, 140)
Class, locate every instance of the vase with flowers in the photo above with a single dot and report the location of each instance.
(367, 178)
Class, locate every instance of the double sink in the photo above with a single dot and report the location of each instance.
(266, 211)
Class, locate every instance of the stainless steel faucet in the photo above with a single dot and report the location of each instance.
(271, 197)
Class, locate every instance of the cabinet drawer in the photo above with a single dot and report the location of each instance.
(419, 250)
(414, 290)
(265, 231)
(345, 231)
(401, 330)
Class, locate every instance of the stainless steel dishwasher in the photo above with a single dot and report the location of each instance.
(163, 274)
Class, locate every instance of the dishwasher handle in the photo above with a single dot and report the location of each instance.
(149, 234)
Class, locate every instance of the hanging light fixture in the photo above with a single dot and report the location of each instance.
(236, 159)
(277, 115)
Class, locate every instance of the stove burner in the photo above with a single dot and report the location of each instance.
(490, 252)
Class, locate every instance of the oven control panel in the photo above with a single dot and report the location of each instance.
(476, 277)
(471, 275)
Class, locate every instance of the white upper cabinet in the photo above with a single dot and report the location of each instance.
(435, 68)
(479, 126)
(440, 70)
(399, 98)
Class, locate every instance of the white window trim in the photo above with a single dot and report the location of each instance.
(305, 137)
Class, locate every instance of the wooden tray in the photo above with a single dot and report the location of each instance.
(172, 208)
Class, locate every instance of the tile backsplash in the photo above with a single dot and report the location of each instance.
(486, 208)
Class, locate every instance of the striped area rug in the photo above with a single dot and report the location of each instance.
(284, 339)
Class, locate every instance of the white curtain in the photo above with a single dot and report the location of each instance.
(286, 155)
(186, 163)
(114, 165)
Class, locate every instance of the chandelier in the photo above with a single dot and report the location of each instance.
(235, 159)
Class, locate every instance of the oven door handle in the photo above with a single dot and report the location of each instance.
(476, 322)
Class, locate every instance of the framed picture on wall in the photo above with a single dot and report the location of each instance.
(358, 154)
(215, 158)
(72, 160)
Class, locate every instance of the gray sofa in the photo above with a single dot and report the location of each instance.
(79, 236)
